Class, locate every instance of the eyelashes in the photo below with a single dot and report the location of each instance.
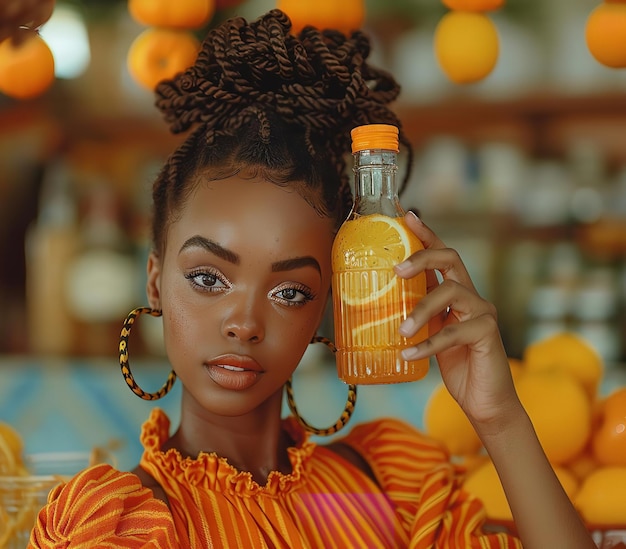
(293, 294)
(207, 280)
(290, 294)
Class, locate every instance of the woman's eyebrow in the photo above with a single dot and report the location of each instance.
(211, 246)
(296, 263)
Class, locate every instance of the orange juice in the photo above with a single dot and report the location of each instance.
(370, 300)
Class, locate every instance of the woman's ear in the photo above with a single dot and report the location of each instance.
(153, 285)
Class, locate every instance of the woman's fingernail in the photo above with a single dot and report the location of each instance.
(415, 216)
(408, 327)
(410, 353)
(402, 267)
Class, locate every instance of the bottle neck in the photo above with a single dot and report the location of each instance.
(375, 186)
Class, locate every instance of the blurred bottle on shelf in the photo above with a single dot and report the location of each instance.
(102, 279)
(587, 166)
(550, 305)
(51, 244)
(545, 200)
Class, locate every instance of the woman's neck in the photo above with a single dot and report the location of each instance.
(255, 442)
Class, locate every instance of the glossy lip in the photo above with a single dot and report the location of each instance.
(234, 372)
(233, 362)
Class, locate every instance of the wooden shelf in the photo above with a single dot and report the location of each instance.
(542, 123)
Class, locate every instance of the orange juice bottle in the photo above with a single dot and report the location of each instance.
(369, 299)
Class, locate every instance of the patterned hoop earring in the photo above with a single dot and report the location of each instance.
(128, 376)
(347, 411)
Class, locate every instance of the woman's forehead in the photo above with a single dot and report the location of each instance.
(239, 208)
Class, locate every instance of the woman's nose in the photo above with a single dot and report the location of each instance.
(244, 323)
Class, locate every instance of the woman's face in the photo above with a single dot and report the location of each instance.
(242, 285)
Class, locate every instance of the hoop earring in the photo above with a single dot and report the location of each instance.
(125, 366)
(347, 411)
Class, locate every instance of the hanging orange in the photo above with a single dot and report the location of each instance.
(159, 53)
(345, 16)
(474, 5)
(466, 46)
(174, 14)
(27, 69)
(605, 33)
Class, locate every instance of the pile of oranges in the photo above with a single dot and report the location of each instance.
(167, 46)
(582, 431)
(466, 40)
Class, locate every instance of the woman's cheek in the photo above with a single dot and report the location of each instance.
(177, 333)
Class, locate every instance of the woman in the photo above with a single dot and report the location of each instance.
(245, 212)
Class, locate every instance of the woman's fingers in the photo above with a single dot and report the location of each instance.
(449, 303)
(423, 232)
(467, 333)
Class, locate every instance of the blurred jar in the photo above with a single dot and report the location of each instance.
(545, 200)
(23, 496)
(595, 307)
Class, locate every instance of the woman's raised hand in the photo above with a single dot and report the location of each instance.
(463, 328)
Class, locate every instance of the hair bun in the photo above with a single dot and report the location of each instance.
(318, 79)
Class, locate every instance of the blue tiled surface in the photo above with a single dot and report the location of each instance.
(76, 404)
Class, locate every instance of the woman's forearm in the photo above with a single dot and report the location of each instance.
(542, 511)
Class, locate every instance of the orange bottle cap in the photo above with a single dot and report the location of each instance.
(374, 136)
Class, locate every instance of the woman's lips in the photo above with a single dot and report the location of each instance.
(234, 372)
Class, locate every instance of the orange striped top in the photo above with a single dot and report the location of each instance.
(325, 502)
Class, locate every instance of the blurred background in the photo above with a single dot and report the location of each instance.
(523, 172)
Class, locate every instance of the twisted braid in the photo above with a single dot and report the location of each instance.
(252, 83)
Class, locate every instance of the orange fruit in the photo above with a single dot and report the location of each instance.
(569, 353)
(345, 16)
(609, 439)
(466, 46)
(445, 421)
(157, 54)
(473, 5)
(601, 499)
(178, 14)
(605, 33)
(484, 483)
(583, 464)
(27, 69)
(559, 410)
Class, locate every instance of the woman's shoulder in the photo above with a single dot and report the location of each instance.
(388, 432)
(103, 504)
(386, 445)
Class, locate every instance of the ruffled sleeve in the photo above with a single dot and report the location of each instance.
(102, 507)
(417, 475)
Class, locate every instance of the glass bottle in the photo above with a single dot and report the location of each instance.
(369, 299)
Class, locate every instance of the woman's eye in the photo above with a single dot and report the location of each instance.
(206, 281)
(294, 296)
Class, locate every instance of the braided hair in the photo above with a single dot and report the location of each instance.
(260, 98)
